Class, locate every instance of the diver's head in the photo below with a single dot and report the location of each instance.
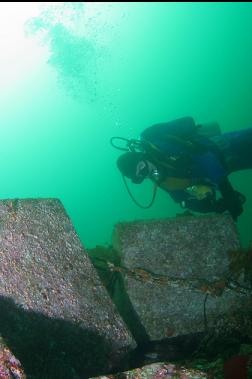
(134, 165)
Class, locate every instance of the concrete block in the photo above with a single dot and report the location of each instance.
(176, 272)
(54, 309)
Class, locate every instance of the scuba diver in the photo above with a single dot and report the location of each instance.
(191, 162)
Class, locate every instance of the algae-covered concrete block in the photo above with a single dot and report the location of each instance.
(158, 370)
(10, 367)
(54, 309)
(176, 272)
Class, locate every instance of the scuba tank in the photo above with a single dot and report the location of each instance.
(210, 129)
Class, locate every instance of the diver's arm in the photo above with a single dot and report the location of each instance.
(231, 200)
(206, 205)
(225, 187)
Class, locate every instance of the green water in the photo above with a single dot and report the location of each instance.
(75, 74)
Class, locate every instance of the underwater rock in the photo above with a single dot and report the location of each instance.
(54, 309)
(176, 272)
(158, 371)
(10, 367)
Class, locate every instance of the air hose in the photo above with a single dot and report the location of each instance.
(135, 201)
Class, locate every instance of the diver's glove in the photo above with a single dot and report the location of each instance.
(232, 203)
(231, 200)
